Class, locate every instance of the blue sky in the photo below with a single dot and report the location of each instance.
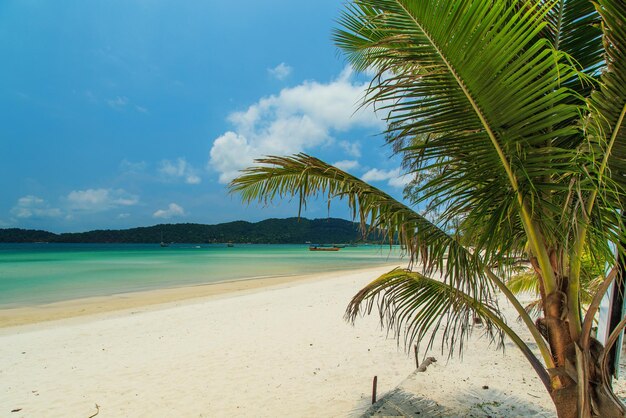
(124, 113)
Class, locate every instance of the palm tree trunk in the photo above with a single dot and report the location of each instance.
(574, 367)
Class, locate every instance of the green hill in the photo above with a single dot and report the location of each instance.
(269, 231)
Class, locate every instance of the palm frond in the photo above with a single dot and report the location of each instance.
(303, 176)
(435, 250)
(604, 182)
(524, 282)
(608, 104)
(573, 26)
(491, 100)
(452, 83)
(417, 308)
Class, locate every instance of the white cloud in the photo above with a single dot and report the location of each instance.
(29, 201)
(193, 179)
(280, 72)
(393, 177)
(130, 167)
(180, 169)
(96, 200)
(400, 181)
(118, 103)
(346, 165)
(230, 152)
(34, 207)
(122, 103)
(90, 96)
(379, 175)
(172, 210)
(297, 119)
(353, 149)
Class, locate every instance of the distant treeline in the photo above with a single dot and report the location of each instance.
(270, 231)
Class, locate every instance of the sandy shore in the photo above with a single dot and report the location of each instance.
(485, 382)
(145, 299)
(282, 351)
(257, 350)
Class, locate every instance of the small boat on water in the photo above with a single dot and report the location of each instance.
(323, 248)
(163, 243)
(230, 245)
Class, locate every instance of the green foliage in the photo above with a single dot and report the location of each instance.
(510, 116)
(426, 305)
(526, 281)
(269, 231)
(18, 235)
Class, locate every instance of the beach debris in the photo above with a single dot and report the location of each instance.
(97, 411)
(485, 387)
(426, 363)
(374, 387)
(16, 410)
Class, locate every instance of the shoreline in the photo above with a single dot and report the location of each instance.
(156, 298)
(283, 349)
(262, 347)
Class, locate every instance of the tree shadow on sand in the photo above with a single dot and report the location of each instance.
(470, 403)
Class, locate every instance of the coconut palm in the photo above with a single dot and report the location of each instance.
(510, 116)
(525, 282)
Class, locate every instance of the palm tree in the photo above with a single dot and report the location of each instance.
(510, 116)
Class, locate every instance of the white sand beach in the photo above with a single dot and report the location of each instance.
(279, 350)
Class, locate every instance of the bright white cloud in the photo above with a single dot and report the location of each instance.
(297, 119)
(180, 169)
(230, 153)
(172, 210)
(393, 177)
(346, 165)
(34, 207)
(96, 200)
(380, 175)
(400, 181)
(280, 72)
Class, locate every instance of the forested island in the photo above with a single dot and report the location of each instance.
(269, 231)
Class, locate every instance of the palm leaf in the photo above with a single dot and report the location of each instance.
(524, 282)
(604, 186)
(428, 245)
(417, 308)
(573, 26)
(452, 83)
(608, 104)
(489, 100)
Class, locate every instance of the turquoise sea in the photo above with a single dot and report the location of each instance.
(32, 274)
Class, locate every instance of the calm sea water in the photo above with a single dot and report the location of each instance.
(33, 274)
